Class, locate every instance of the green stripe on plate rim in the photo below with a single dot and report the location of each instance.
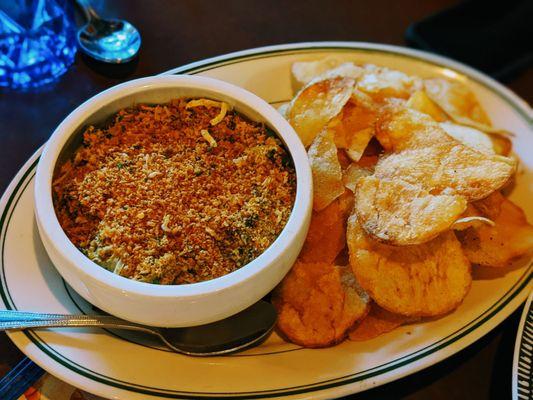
(344, 380)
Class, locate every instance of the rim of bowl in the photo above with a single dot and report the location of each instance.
(48, 222)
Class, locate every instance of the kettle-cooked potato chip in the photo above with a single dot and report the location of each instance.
(429, 279)
(377, 322)
(344, 160)
(502, 145)
(399, 213)
(351, 175)
(316, 104)
(382, 83)
(424, 154)
(326, 169)
(485, 142)
(460, 104)
(303, 72)
(346, 202)
(318, 303)
(421, 102)
(425, 164)
(456, 100)
(470, 137)
(345, 70)
(354, 126)
(510, 237)
(326, 236)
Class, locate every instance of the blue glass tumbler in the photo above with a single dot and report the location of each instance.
(37, 42)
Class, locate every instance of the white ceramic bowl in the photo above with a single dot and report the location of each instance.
(171, 305)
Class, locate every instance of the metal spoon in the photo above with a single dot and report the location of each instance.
(112, 41)
(238, 332)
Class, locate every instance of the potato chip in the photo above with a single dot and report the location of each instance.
(470, 137)
(327, 234)
(460, 104)
(344, 160)
(424, 154)
(345, 70)
(490, 206)
(354, 126)
(396, 126)
(426, 163)
(502, 145)
(346, 202)
(377, 322)
(326, 169)
(370, 157)
(421, 102)
(351, 175)
(317, 303)
(315, 105)
(497, 246)
(368, 162)
(399, 213)
(381, 83)
(456, 100)
(429, 279)
(303, 72)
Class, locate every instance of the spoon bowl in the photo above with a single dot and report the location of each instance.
(111, 41)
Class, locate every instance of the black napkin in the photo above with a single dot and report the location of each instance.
(493, 36)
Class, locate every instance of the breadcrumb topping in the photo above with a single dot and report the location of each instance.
(164, 195)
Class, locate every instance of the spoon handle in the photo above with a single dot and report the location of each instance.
(14, 320)
(10, 315)
(88, 11)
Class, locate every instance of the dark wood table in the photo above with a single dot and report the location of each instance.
(178, 32)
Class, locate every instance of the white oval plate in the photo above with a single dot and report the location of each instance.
(126, 367)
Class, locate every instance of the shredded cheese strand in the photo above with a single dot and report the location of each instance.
(203, 102)
(221, 114)
(207, 136)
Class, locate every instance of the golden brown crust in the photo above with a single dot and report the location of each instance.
(175, 193)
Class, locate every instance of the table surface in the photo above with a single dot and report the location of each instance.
(178, 32)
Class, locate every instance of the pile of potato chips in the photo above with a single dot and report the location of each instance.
(407, 176)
